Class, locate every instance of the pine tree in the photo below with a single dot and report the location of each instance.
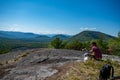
(56, 43)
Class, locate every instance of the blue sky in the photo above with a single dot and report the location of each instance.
(60, 16)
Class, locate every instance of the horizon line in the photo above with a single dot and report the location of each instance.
(55, 33)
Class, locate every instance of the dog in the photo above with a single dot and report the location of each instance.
(86, 57)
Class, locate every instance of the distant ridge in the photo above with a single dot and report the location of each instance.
(31, 36)
(91, 35)
(17, 35)
(82, 36)
(61, 36)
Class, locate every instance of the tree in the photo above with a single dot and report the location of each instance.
(76, 45)
(87, 45)
(56, 43)
(119, 34)
(114, 45)
(103, 45)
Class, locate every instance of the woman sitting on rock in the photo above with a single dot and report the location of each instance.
(95, 52)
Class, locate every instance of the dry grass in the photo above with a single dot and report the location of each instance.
(25, 54)
(1, 63)
(21, 56)
(89, 70)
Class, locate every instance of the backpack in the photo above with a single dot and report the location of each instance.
(106, 71)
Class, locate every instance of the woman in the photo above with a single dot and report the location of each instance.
(95, 52)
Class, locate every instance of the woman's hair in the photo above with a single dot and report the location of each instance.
(94, 43)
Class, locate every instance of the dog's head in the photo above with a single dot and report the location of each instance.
(86, 54)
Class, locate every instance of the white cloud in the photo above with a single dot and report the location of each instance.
(52, 32)
(14, 27)
(86, 28)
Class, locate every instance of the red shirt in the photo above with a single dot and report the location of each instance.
(97, 52)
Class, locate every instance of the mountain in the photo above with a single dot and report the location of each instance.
(31, 36)
(17, 35)
(43, 38)
(24, 36)
(61, 36)
(90, 35)
(82, 36)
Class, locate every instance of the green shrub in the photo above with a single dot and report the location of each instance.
(76, 45)
(1, 63)
(56, 43)
(114, 46)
